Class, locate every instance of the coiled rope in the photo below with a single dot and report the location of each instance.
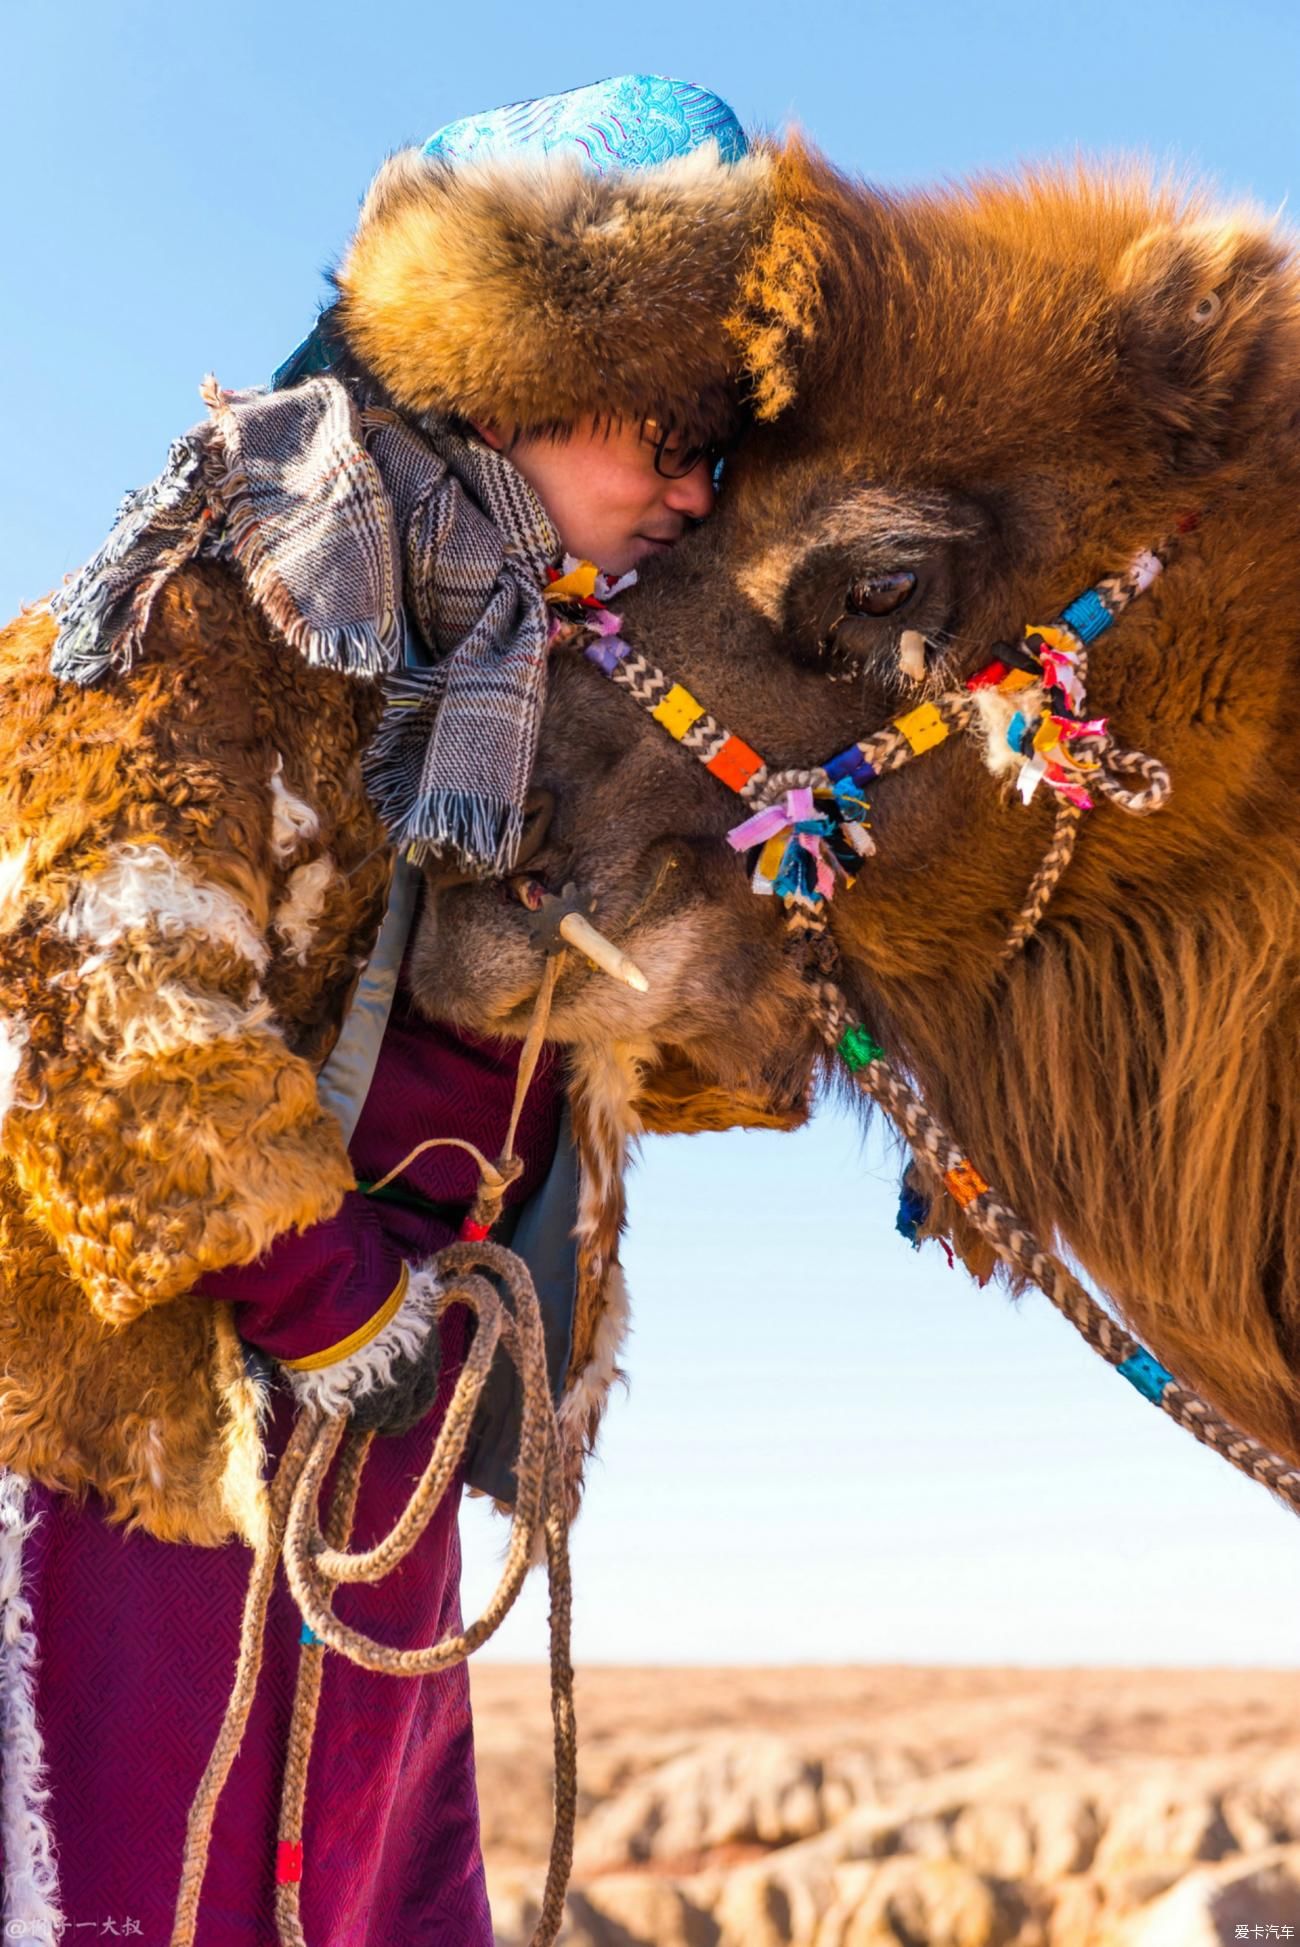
(317, 1561)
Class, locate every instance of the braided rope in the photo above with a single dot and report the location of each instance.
(1153, 792)
(252, 1631)
(1110, 769)
(1017, 1246)
(1129, 779)
(306, 1704)
(1055, 859)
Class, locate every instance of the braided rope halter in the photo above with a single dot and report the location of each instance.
(810, 828)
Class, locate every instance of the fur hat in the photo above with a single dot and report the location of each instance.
(531, 292)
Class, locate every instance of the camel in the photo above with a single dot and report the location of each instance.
(971, 405)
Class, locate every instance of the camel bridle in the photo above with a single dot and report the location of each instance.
(808, 830)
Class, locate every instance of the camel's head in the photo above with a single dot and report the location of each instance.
(971, 405)
(981, 402)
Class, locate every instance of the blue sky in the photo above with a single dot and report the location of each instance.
(832, 1448)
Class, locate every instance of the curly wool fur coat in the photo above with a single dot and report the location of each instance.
(191, 877)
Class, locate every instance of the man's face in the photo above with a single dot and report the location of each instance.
(608, 499)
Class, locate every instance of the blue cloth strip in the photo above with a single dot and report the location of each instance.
(1147, 1374)
(846, 764)
(308, 1636)
(849, 801)
(1087, 615)
(913, 1209)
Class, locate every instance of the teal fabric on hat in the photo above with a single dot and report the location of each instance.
(631, 121)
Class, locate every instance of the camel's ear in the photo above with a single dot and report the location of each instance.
(781, 292)
(1204, 307)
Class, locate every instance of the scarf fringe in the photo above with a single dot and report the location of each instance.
(352, 648)
(480, 834)
(101, 625)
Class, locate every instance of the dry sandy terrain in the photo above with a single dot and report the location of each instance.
(903, 1807)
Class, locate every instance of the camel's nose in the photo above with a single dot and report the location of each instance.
(539, 809)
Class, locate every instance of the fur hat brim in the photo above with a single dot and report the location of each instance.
(532, 294)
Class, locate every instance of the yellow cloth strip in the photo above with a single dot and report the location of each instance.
(771, 855)
(677, 711)
(923, 728)
(769, 859)
(580, 581)
(355, 1340)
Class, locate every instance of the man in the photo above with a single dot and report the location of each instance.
(198, 1091)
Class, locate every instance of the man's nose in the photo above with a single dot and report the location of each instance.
(692, 495)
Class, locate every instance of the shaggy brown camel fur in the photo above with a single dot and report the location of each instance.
(1005, 390)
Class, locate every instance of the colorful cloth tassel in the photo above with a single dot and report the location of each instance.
(1057, 651)
(1050, 653)
(1052, 759)
(853, 809)
(805, 851)
(583, 582)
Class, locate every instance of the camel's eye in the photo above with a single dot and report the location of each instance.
(880, 594)
(1207, 309)
(844, 611)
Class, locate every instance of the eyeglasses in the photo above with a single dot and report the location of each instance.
(674, 461)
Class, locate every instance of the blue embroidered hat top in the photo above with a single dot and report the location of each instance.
(630, 121)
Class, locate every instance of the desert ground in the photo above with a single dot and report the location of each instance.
(903, 1807)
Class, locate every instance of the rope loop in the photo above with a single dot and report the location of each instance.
(777, 783)
(314, 1569)
(1151, 794)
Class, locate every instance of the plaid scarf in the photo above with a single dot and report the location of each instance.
(338, 517)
